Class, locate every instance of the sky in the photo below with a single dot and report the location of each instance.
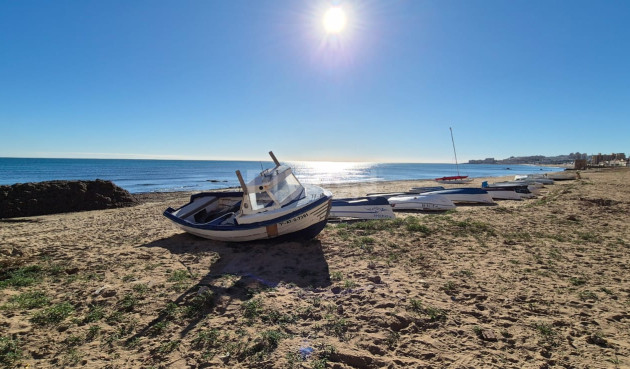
(234, 79)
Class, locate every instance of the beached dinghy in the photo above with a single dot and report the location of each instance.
(533, 179)
(531, 187)
(454, 180)
(424, 202)
(465, 195)
(387, 195)
(502, 193)
(362, 208)
(273, 204)
(426, 189)
(458, 179)
(523, 191)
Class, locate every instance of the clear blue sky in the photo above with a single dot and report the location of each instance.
(234, 79)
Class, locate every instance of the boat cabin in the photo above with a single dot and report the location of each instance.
(271, 190)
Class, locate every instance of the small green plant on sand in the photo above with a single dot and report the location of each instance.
(392, 339)
(336, 276)
(546, 332)
(92, 332)
(413, 226)
(252, 309)
(587, 295)
(206, 338)
(198, 304)
(365, 243)
(94, 314)
(349, 284)
(178, 276)
(416, 305)
(168, 347)
(268, 341)
(577, 281)
(21, 277)
(28, 300)
(449, 286)
(54, 314)
(158, 328)
(433, 313)
(10, 352)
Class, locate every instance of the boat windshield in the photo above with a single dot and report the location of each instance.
(286, 190)
(258, 200)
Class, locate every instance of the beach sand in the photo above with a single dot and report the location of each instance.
(525, 284)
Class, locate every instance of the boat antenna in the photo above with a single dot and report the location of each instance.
(454, 151)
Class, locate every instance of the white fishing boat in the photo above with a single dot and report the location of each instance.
(533, 179)
(465, 195)
(273, 204)
(425, 189)
(499, 193)
(523, 190)
(362, 208)
(530, 185)
(423, 202)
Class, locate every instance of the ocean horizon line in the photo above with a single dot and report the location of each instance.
(239, 160)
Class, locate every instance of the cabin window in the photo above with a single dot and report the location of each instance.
(258, 200)
(285, 190)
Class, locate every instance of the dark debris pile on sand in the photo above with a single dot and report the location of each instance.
(52, 197)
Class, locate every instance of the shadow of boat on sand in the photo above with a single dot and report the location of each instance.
(228, 275)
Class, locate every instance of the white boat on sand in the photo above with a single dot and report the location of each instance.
(465, 195)
(424, 202)
(536, 179)
(522, 190)
(498, 193)
(362, 208)
(274, 204)
(426, 189)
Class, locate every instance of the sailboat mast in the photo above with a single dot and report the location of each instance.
(454, 151)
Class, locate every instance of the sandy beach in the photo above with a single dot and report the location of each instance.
(538, 283)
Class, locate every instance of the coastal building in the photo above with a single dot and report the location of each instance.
(484, 161)
(612, 160)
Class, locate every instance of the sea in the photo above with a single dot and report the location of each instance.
(141, 176)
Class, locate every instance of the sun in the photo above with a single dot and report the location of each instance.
(334, 20)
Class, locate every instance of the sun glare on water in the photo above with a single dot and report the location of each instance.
(334, 20)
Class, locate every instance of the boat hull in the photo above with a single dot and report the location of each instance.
(503, 194)
(425, 189)
(362, 208)
(465, 195)
(304, 223)
(454, 181)
(422, 202)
